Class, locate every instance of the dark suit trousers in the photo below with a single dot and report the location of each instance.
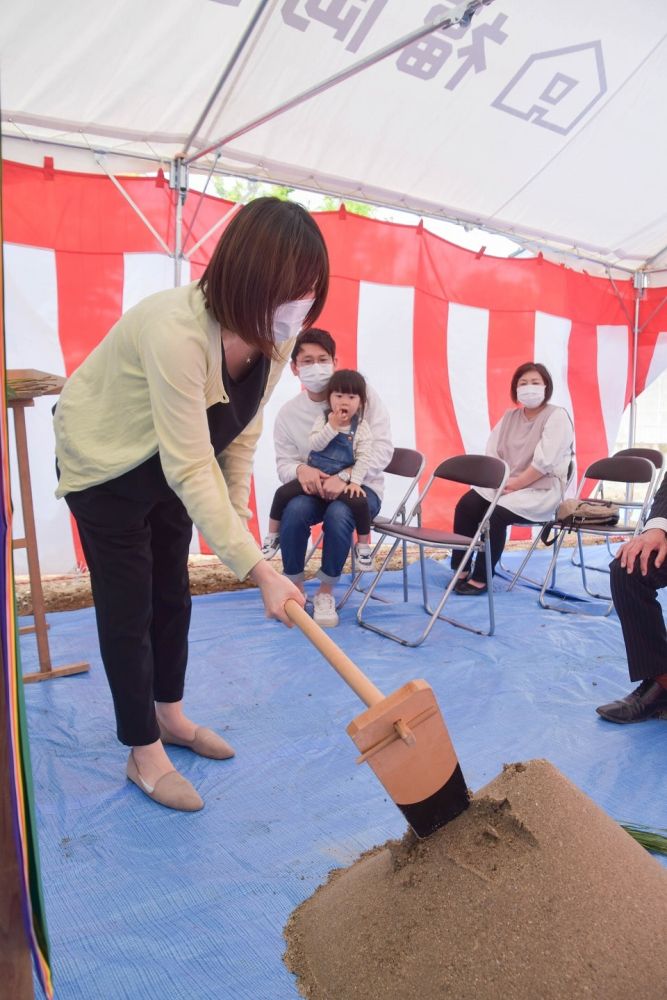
(136, 535)
(635, 600)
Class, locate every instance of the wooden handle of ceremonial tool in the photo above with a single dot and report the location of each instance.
(351, 674)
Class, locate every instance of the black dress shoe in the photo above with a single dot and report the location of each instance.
(645, 702)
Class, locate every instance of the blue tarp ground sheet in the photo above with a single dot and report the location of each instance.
(143, 902)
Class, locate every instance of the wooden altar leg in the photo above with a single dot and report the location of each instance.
(29, 543)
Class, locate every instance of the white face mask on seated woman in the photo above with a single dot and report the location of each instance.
(288, 319)
(530, 396)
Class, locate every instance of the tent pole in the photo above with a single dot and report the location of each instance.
(178, 182)
(463, 12)
(243, 41)
(640, 282)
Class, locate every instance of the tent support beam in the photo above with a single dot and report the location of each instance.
(243, 41)
(654, 313)
(655, 257)
(200, 202)
(456, 15)
(228, 215)
(149, 225)
(526, 241)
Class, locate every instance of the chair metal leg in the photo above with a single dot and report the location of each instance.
(369, 594)
(519, 573)
(592, 569)
(357, 575)
(405, 572)
(584, 580)
(489, 585)
(436, 612)
(551, 575)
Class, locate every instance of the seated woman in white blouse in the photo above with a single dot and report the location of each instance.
(535, 438)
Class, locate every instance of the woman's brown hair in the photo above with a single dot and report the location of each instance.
(532, 366)
(270, 253)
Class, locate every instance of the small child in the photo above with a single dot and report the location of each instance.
(341, 442)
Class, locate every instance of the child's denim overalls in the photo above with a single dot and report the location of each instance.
(338, 454)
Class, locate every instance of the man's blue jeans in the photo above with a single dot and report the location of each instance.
(337, 524)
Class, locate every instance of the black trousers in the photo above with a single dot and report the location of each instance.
(136, 535)
(640, 614)
(357, 505)
(468, 512)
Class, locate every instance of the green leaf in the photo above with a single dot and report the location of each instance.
(652, 840)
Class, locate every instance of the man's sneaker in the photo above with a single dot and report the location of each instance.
(363, 556)
(270, 545)
(324, 611)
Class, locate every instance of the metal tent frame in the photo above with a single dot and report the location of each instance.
(190, 158)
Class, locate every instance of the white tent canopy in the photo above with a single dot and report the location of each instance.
(541, 120)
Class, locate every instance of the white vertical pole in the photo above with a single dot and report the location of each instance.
(178, 182)
(640, 281)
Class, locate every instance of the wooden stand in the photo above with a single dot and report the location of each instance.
(18, 406)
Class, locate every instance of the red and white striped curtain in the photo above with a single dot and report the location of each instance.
(436, 329)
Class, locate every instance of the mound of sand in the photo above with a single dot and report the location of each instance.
(533, 893)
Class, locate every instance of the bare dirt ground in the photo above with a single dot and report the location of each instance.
(207, 576)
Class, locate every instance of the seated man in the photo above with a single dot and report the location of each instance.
(637, 572)
(313, 362)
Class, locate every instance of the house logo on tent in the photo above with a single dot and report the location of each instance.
(556, 89)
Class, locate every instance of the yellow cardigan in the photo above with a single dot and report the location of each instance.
(145, 389)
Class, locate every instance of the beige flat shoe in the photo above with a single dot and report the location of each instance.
(171, 790)
(205, 742)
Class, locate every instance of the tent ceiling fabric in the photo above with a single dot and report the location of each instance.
(538, 119)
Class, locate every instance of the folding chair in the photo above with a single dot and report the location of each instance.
(518, 574)
(472, 470)
(407, 463)
(653, 455)
(627, 469)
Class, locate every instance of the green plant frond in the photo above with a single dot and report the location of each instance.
(652, 840)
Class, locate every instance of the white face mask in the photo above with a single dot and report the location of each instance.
(315, 377)
(530, 396)
(288, 319)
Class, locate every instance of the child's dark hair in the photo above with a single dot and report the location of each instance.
(349, 380)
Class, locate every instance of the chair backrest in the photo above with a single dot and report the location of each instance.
(406, 462)
(473, 470)
(621, 469)
(409, 464)
(653, 455)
